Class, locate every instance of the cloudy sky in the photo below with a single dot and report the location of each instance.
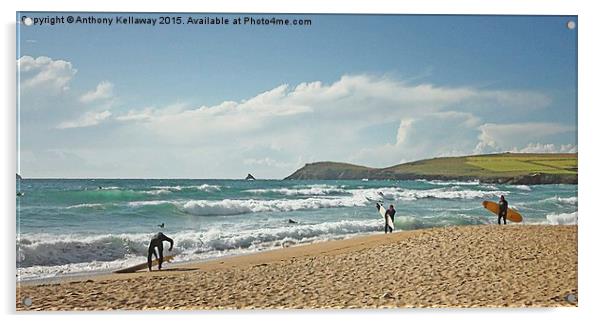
(224, 101)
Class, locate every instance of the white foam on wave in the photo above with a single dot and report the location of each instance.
(393, 193)
(202, 188)
(207, 187)
(45, 255)
(275, 236)
(563, 200)
(48, 249)
(158, 192)
(315, 190)
(453, 183)
(233, 207)
(522, 187)
(147, 203)
(562, 218)
(350, 198)
(86, 205)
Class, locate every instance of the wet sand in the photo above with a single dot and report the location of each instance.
(468, 266)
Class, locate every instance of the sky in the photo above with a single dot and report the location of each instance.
(221, 101)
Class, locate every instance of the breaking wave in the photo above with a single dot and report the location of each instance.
(202, 188)
(391, 193)
(86, 205)
(233, 207)
(564, 200)
(562, 218)
(451, 183)
(47, 255)
(316, 190)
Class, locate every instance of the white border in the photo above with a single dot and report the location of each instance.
(589, 106)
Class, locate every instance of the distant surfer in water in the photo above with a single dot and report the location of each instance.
(391, 213)
(503, 210)
(157, 242)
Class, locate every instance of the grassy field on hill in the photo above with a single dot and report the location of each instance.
(495, 167)
(492, 165)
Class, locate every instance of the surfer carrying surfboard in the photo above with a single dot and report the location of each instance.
(503, 210)
(390, 213)
(157, 242)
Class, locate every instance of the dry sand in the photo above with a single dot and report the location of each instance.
(470, 266)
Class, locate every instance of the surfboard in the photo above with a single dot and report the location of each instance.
(135, 268)
(383, 213)
(511, 215)
(379, 201)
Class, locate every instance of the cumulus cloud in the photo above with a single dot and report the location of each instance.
(433, 135)
(343, 120)
(45, 73)
(365, 119)
(500, 137)
(104, 90)
(352, 101)
(87, 120)
(546, 148)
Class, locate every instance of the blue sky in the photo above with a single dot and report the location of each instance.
(221, 101)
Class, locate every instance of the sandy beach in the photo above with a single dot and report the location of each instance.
(463, 266)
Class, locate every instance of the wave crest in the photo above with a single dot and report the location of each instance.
(562, 218)
(234, 207)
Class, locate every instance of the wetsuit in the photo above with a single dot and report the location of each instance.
(157, 242)
(390, 213)
(503, 211)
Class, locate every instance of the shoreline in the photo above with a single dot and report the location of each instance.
(462, 266)
(223, 261)
(85, 275)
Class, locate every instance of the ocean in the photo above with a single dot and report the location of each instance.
(75, 226)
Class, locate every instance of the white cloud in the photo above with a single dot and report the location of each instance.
(45, 73)
(267, 161)
(434, 135)
(341, 107)
(546, 148)
(316, 121)
(402, 131)
(104, 90)
(87, 120)
(502, 137)
(370, 120)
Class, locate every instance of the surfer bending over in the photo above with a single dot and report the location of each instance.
(503, 210)
(157, 242)
(391, 213)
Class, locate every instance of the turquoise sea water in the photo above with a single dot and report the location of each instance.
(74, 226)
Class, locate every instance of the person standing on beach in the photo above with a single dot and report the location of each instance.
(157, 242)
(503, 210)
(391, 213)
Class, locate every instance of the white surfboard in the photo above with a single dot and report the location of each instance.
(383, 213)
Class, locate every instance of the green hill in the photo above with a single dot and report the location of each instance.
(495, 168)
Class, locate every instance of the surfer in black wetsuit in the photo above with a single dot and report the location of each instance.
(391, 213)
(503, 210)
(157, 242)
